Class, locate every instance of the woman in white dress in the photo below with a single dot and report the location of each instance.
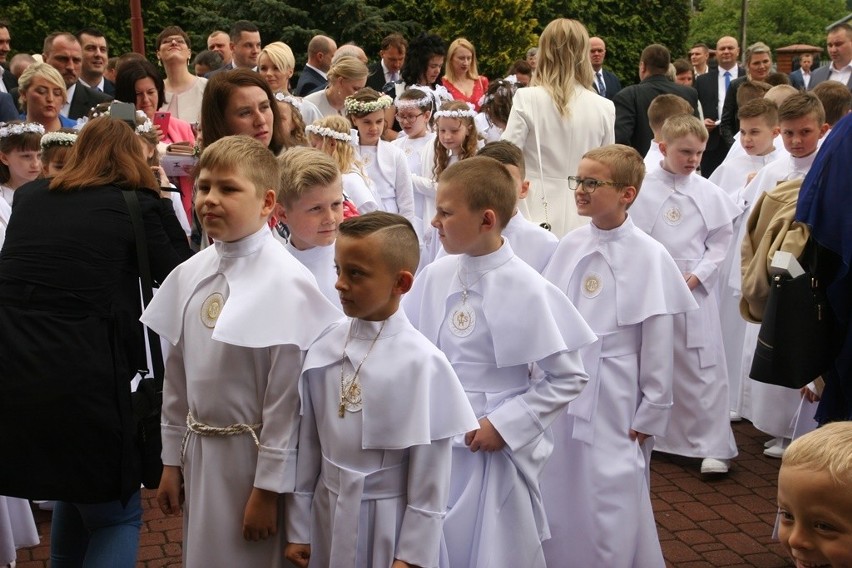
(184, 90)
(557, 120)
(346, 77)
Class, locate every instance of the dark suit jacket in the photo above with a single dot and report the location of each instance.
(707, 86)
(221, 69)
(612, 84)
(821, 74)
(730, 124)
(109, 87)
(9, 80)
(84, 99)
(309, 81)
(797, 80)
(7, 108)
(631, 109)
(376, 79)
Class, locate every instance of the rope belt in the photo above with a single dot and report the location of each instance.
(195, 427)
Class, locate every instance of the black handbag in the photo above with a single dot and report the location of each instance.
(793, 345)
(148, 399)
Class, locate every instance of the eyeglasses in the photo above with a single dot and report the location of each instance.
(410, 118)
(169, 40)
(589, 184)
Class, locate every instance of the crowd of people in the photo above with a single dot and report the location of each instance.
(344, 267)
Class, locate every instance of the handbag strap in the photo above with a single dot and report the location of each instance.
(546, 224)
(147, 284)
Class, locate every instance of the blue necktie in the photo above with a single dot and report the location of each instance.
(601, 86)
(727, 80)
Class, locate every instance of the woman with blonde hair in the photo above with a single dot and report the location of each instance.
(41, 95)
(555, 121)
(275, 64)
(345, 78)
(462, 79)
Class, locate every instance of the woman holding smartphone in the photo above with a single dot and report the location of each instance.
(183, 90)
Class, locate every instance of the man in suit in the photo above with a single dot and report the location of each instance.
(606, 83)
(9, 81)
(712, 87)
(245, 44)
(63, 51)
(699, 55)
(95, 57)
(220, 42)
(8, 111)
(801, 77)
(840, 51)
(313, 76)
(387, 70)
(631, 103)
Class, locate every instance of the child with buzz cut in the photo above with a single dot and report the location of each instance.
(693, 219)
(380, 406)
(494, 316)
(603, 444)
(531, 243)
(230, 417)
(815, 498)
(660, 109)
(310, 202)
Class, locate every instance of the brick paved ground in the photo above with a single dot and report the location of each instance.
(703, 522)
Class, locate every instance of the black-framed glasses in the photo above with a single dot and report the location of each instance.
(408, 118)
(589, 184)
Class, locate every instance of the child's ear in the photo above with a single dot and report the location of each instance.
(628, 194)
(269, 202)
(4, 159)
(776, 131)
(489, 220)
(404, 282)
(823, 129)
(279, 212)
(664, 149)
(525, 189)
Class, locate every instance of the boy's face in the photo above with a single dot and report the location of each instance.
(313, 219)
(801, 135)
(458, 226)
(228, 204)
(682, 155)
(368, 288)
(608, 203)
(816, 518)
(756, 136)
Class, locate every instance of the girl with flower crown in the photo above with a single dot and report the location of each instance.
(414, 114)
(332, 135)
(290, 108)
(19, 161)
(385, 164)
(494, 109)
(55, 148)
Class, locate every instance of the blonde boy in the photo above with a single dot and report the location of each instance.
(693, 219)
(380, 406)
(660, 109)
(310, 203)
(604, 516)
(230, 401)
(815, 497)
(493, 316)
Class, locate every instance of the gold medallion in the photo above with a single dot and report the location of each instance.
(673, 216)
(592, 285)
(211, 308)
(462, 320)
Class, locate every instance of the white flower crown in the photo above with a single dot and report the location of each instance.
(57, 139)
(22, 128)
(146, 126)
(469, 113)
(327, 132)
(295, 101)
(353, 106)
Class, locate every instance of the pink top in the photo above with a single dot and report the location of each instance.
(480, 86)
(181, 131)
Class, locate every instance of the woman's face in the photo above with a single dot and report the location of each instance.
(249, 112)
(759, 66)
(277, 79)
(461, 61)
(147, 98)
(44, 99)
(348, 87)
(433, 70)
(173, 48)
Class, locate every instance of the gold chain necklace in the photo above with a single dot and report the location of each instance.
(350, 391)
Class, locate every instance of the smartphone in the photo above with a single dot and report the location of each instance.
(125, 112)
(162, 119)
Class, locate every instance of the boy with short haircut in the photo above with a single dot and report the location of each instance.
(230, 402)
(476, 306)
(660, 109)
(815, 497)
(836, 99)
(531, 243)
(604, 516)
(310, 202)
(693, 219)
(375, 445)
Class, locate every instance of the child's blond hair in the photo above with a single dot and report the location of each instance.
(485, 183)
(468, 149)
(827, 449)
(341, 151)
(302, 169)
(682, 125)
(245, 156)
(801, 105)
(780, 93)
(763, 108)
(625, 164)
(664, 106)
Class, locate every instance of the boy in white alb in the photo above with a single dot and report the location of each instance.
(380, 406)
(596, 486)
(661, 108)
(493, 316)
(310, 202)
(235, 317)
(693, 219)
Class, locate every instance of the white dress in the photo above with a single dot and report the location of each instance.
(693, 219)
(596, 484)
(414, 148)
(358, 190)
(496, 515)
(187, 105)
(535, 123)
(320, 101)
(387, 168)
(373, 485)
(235, 359)
(17, 527)
(5, 215)
(653, 157)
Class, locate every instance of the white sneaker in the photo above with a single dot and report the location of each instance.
(713, 465)
(735, 416)
(777, 450)
(773, 442)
